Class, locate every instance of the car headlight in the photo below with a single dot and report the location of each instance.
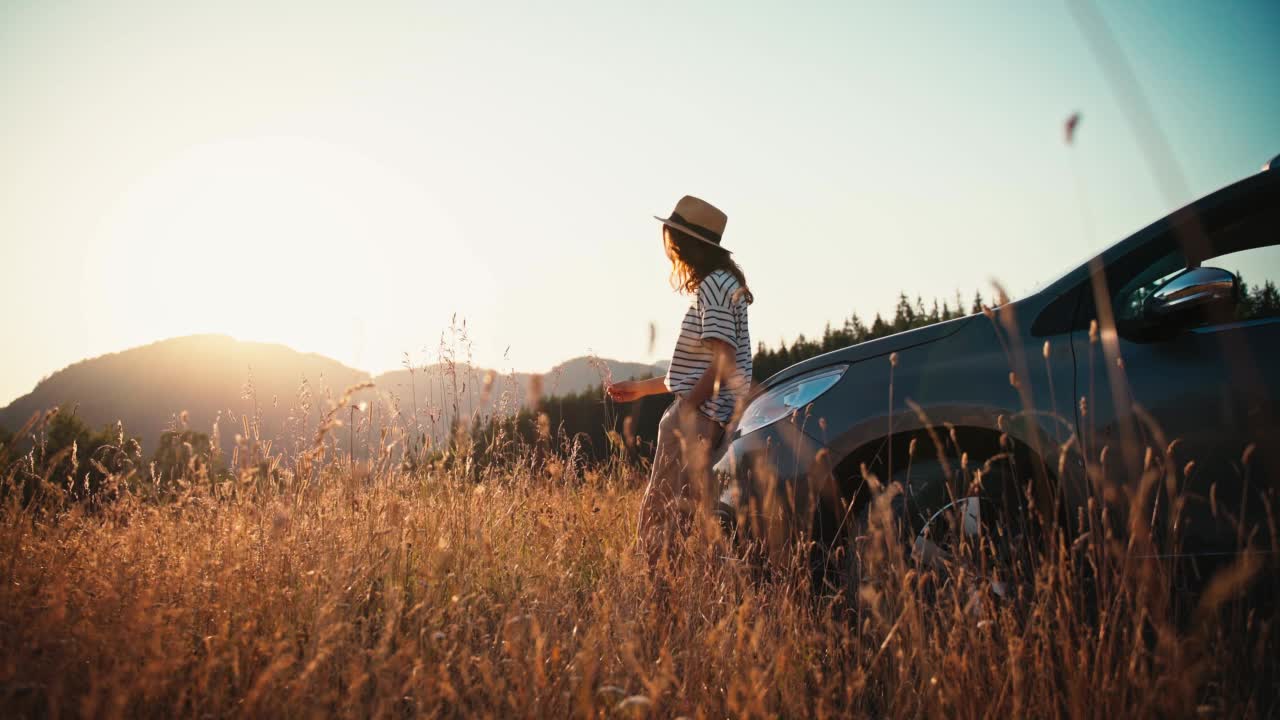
(792, 395)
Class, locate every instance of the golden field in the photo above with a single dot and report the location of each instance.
(314, 586)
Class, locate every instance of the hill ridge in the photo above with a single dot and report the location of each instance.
(207, 375)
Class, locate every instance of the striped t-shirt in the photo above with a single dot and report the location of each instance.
(719, 311)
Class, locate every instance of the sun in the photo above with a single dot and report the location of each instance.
(288, 240)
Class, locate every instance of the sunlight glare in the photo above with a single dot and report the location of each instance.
(284, 240)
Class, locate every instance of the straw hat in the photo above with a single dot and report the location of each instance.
(699, 219)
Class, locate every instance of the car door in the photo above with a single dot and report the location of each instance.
(1205, 384)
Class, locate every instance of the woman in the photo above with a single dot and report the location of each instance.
(710, 369)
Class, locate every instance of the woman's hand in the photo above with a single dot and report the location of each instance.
(625, 391)
(629, 390)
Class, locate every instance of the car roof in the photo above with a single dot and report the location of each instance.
(1261, 182)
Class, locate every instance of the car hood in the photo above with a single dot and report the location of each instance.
(871, 349)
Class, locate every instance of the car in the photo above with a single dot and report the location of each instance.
(1149, 355)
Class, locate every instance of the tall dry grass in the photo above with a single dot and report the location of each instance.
(322, 583)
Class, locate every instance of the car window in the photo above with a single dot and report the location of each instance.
(1259, 272)
(1249, 247)
(1232, 226)
(1129, 299)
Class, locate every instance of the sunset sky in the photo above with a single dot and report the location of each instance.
(344, 177)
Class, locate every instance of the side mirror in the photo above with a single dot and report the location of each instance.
(1197, 292)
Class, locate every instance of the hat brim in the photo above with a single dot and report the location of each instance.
(690, 232)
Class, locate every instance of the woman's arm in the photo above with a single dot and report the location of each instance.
(629, 390)
(716, 374)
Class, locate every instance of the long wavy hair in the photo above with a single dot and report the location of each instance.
(692, 260)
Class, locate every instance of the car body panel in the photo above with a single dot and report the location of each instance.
(870, 349)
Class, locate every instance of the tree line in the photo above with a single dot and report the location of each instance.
(906, 316)
(589, 426)
(67, 457)
(584, 426)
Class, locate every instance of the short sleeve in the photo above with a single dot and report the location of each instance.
(715, 308)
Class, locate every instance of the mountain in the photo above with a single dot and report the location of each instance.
(215, 377)
(206, 376)
(480, 390)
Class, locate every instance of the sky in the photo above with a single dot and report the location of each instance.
(346, 178)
